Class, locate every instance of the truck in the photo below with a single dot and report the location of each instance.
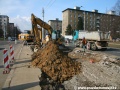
(95, 39)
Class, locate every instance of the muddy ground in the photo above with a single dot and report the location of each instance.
(74, 69)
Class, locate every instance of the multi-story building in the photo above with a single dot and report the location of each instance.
(92, 20)
(56, 24)
(4, 23)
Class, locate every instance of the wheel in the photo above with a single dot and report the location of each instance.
(93, 47)
(88, 46)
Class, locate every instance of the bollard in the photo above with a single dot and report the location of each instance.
(15, 41)
(11, 54)
(6, 62)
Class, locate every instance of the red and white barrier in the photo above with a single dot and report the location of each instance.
(6, 61)
(11, 54)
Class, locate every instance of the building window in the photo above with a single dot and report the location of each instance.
(75, 12)
(75, 16)
(91, 15)
(87, 13)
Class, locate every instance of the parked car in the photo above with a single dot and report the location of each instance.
(12, 38)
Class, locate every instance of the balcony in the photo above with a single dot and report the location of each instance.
(98, 18)
(97, 21)
(97, 26)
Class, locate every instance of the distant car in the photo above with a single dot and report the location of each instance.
(9, 38)
(13, 39)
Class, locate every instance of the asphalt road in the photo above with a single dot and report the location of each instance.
(5, 45)
(110, 50)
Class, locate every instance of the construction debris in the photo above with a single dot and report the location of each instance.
(55, 63)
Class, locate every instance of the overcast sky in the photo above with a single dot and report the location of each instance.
(19, 11)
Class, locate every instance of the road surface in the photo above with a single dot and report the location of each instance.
(110, 50)
(5, 45)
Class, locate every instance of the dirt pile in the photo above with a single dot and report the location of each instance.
(55, 63)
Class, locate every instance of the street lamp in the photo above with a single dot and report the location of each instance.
(4, 31)
(15, 35)
(15, 32)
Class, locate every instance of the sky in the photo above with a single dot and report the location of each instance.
(19, 11)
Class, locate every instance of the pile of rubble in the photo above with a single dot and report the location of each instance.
(56, 64)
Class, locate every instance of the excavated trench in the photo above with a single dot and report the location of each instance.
(56, 66)
(61, 70)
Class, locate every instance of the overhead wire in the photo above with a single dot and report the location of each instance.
(51, 4)
(48, 4)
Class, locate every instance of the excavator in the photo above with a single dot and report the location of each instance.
(37, 25)
(26, 36)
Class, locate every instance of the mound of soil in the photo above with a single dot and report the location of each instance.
(56, 64)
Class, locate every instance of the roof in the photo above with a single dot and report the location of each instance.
(56, 20)
(88, 11)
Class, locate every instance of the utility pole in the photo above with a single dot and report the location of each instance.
(15, 31)
(4, 31)
(84, 19)
(43, 32)
(15, 34)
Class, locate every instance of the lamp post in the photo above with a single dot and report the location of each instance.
(15, 35)
(15, 32)
(4, 31)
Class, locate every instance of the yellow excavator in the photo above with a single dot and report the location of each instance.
(26, 36)
(37, 24)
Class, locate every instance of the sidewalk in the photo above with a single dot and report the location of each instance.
(22, 76)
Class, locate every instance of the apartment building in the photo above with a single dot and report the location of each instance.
(56, 24)
(92, 20)
(4, 23)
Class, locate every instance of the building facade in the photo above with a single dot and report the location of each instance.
(4, 23)
(92, 20)
(56, 24)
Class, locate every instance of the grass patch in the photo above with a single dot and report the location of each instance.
(1, 38)
(114, 44)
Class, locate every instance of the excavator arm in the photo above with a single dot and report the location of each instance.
(41, 23)
(38, 32)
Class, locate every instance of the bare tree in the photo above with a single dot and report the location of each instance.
(115, 30)
(116, 7)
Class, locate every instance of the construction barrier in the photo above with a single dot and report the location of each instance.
(6, 62)
(11, 54)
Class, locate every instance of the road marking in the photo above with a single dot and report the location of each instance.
(20, 52)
